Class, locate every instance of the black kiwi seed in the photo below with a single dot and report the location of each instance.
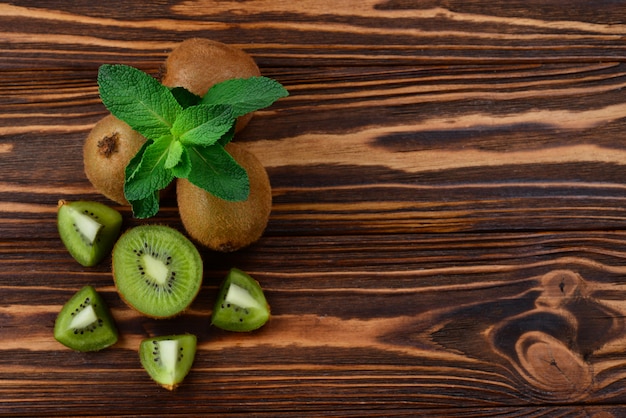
(80, 233)
(93, 326)
(168, 286)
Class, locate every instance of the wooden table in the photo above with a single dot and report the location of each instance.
(448, 229)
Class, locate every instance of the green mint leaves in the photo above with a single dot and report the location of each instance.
(138, 99)
(185, 133)
(245, 95)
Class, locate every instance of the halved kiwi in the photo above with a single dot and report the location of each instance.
(157, 270)
(241, 304)
(85, 322)
(88, 229)
(168, 359)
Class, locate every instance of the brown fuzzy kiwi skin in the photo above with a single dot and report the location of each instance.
(107, 150)
(222, 225)
(198, 63)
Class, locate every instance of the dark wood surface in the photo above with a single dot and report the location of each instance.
(448, 233)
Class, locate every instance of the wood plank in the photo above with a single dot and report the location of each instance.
(314, 33)
(438, 161)
(426, 321)
(448, 229)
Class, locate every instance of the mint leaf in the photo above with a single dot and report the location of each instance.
(184, 97)
(227, 137)
(245, 95)
(214, 170)
(173, 154)
(146, 207)
(203, 124)
(150, 174)
(138, 99)
(183, 168)
(134, 163)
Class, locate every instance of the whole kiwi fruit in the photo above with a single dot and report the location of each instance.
(107, 150)
(198, 63)
(224, 225)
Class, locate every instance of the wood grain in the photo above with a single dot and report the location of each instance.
(448, 230)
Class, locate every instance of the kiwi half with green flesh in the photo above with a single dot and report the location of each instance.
(157, 270)
(198, 63)
(85, 322)
(241, 304)
(168, 359)
(222, 225)
(88, 229)
(108, 149)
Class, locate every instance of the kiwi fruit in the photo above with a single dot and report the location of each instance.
(88, 229)
(156, 270)
(240, 305)
(85, 322)
(168, 359)
(198, 63)
(109, 147)
(223, 225)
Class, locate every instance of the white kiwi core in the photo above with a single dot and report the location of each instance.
(168, 353)
(87, 226)
(84, 318)
(239, 296)
(155, 268)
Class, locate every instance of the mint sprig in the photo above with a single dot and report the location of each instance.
(185, 133)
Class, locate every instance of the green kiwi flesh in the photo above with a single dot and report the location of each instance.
(168, 359)
(88, 230)
(157, 270)
(85, 322)
(241, 305)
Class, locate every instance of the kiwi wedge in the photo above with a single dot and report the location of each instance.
(241, 305)
(168, 359)
(88, 230)
(85, 322)
(157, 270)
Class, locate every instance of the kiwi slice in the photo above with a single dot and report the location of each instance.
(85, 323)
(168, 359)
(157, 270)
(88, 230)
(241, 304)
